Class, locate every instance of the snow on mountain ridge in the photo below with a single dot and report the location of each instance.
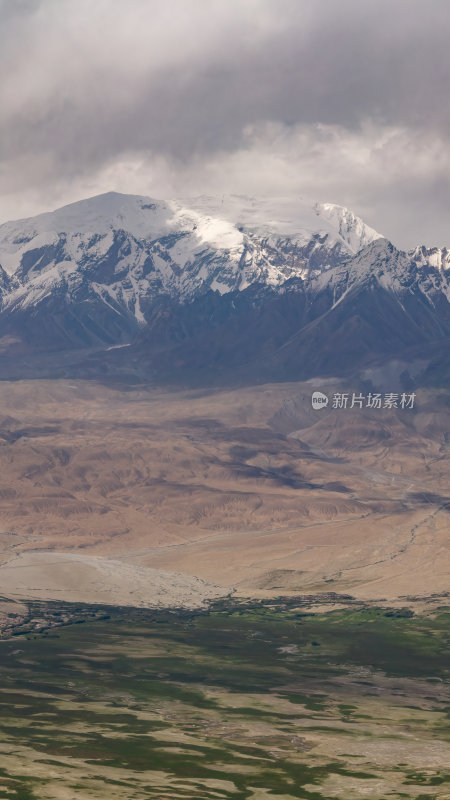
(381, 264)
(214, 221)
(277, 218)
(438, 257)
(351, 228)
(137, 247)
(101, 269)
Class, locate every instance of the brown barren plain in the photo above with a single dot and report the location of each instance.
(246, 490)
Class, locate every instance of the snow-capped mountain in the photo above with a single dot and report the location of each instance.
(293, 286)
(372, 307)
(129, 248)
(438, 257)
(380, 263)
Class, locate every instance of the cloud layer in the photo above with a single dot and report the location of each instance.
(341, 101)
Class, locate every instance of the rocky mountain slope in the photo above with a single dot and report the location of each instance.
(274, 286)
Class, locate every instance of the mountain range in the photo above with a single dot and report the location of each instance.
(210, 288)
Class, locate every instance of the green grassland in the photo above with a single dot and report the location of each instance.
(242, 703)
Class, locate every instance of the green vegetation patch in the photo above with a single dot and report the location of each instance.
(223, 704)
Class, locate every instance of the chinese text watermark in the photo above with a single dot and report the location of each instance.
(358, 400)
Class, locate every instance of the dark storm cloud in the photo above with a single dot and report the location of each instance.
(191, 84)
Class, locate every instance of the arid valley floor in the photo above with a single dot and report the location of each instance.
(249, 490)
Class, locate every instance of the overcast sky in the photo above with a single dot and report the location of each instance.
(345, 101)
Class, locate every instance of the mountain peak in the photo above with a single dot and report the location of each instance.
(96, 271)
(380, 259)
(276, 216)
(290, 217)
(438, 257)
(351, 228)
(95, 214)
(231, 224)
